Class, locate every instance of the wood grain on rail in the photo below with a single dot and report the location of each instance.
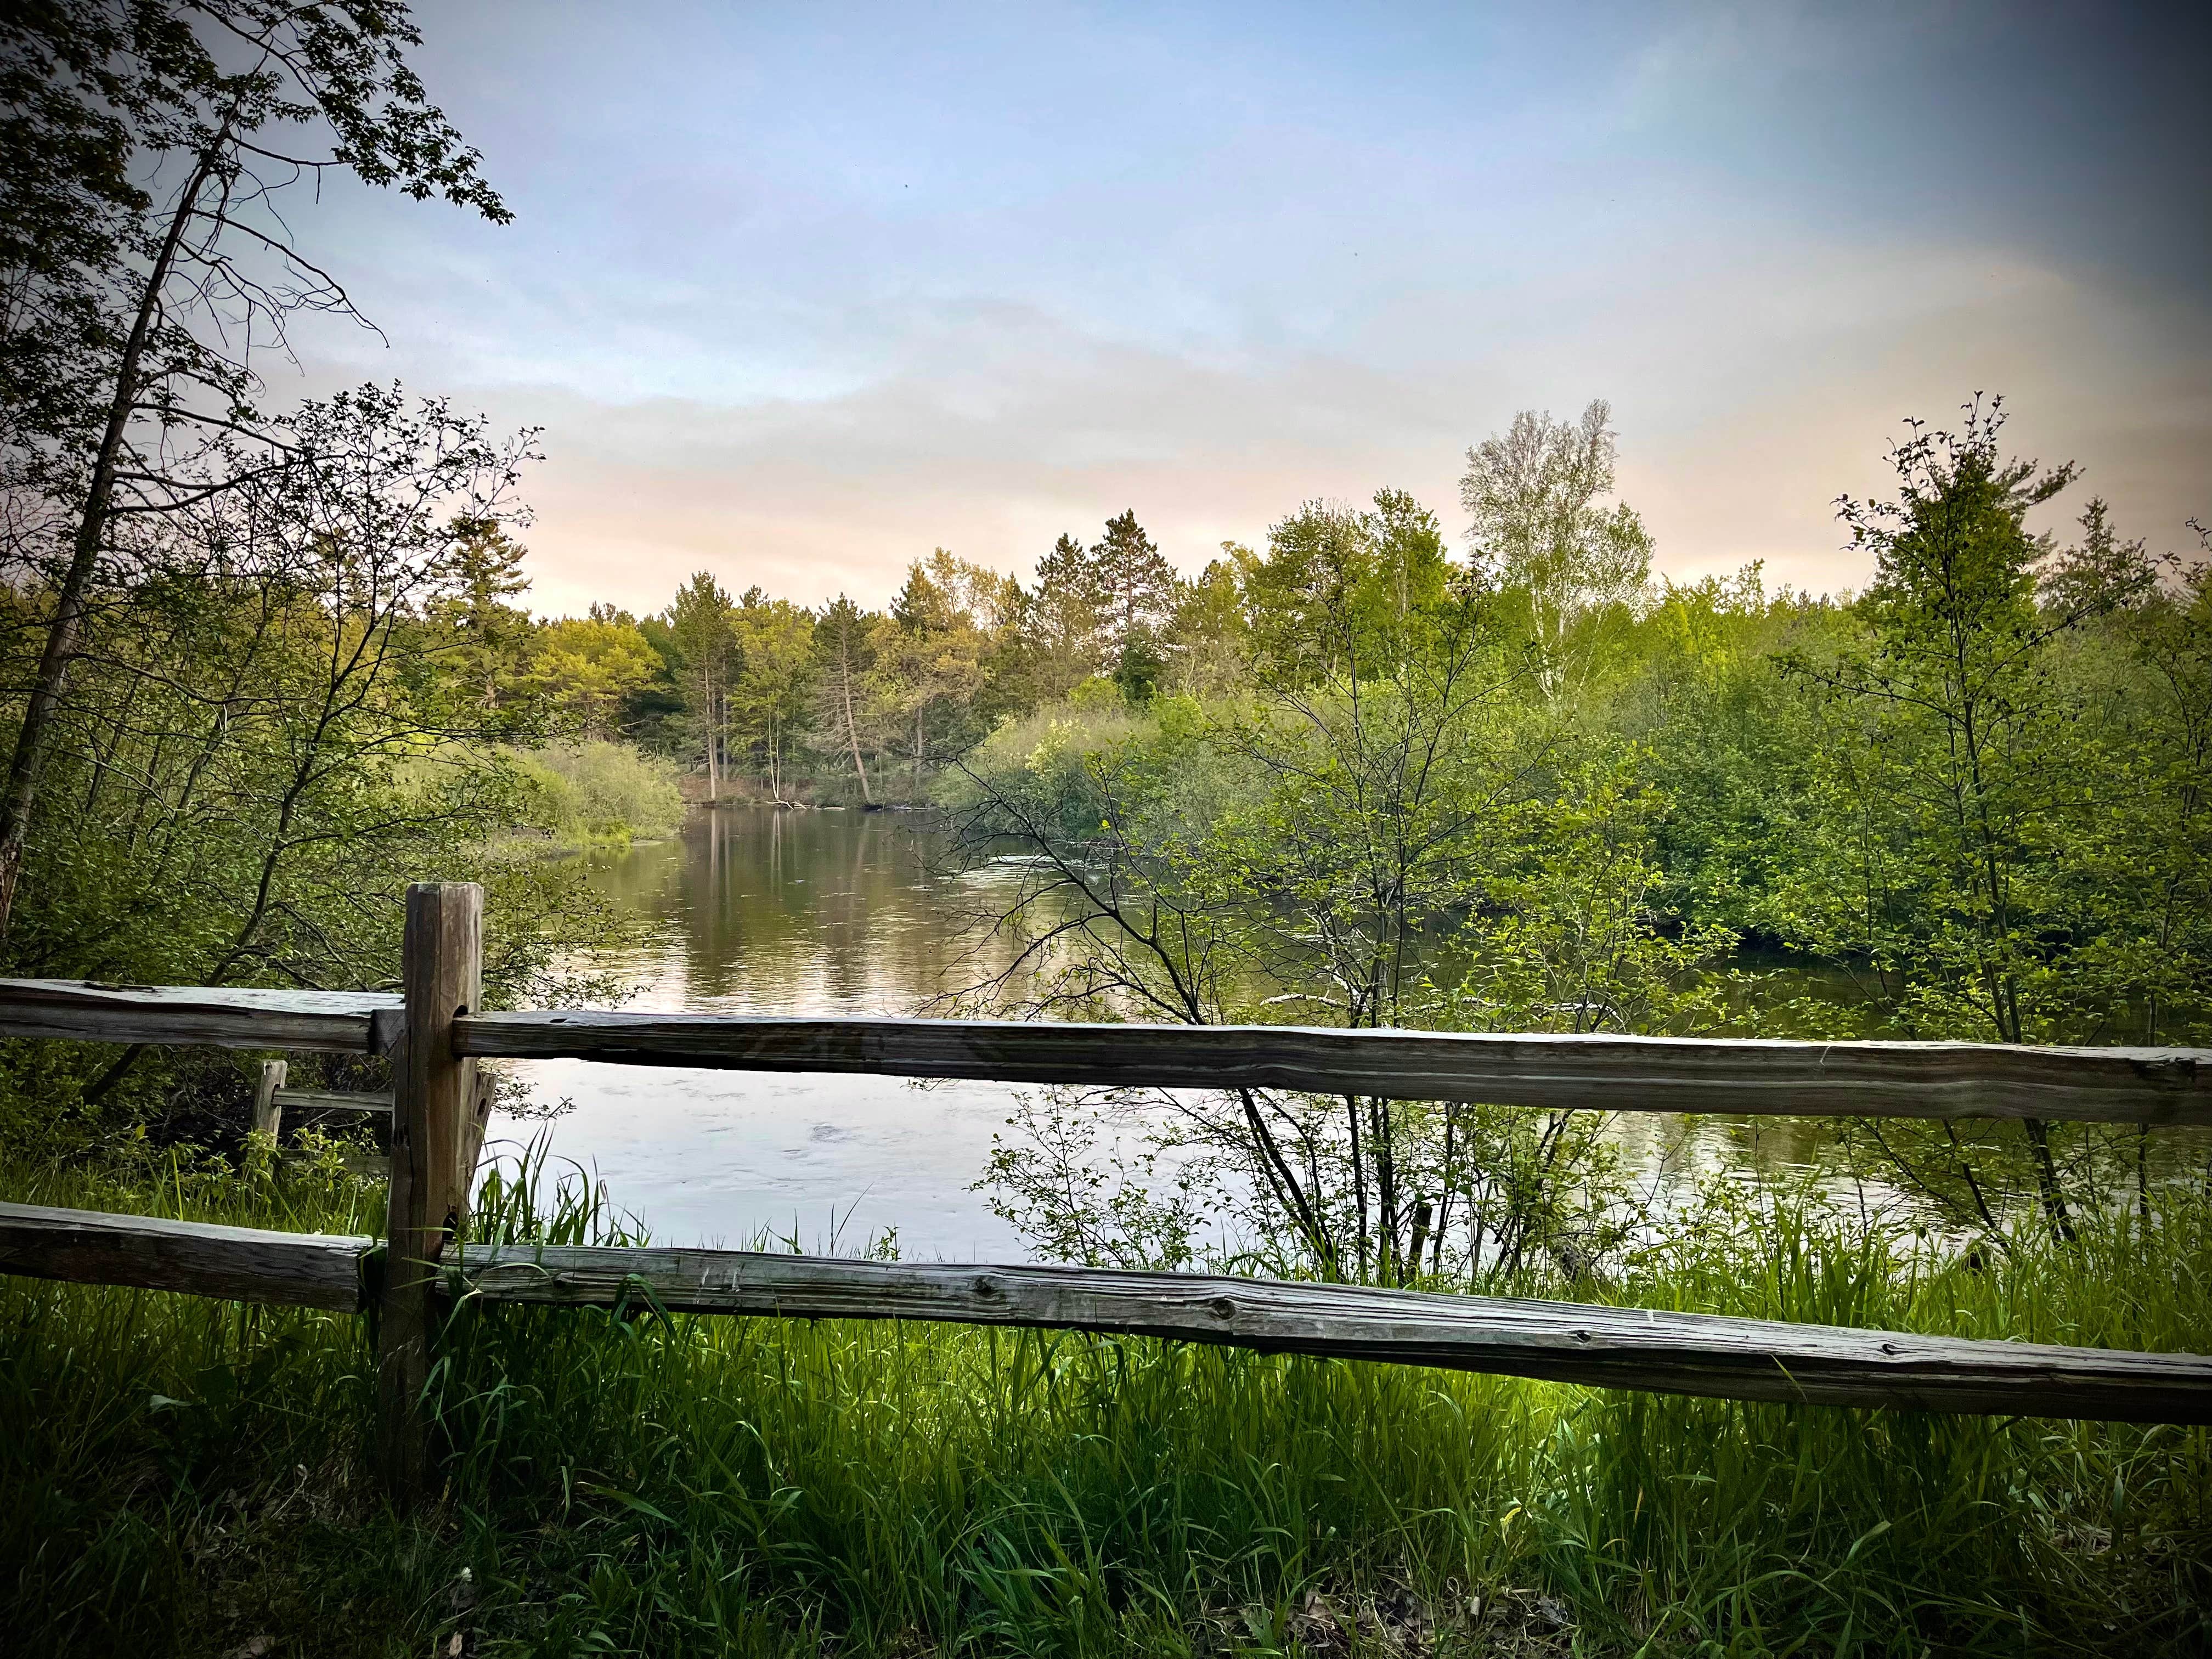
(1770, 1077)
(1559, 1341)
(331, 1021)
(243, 1264)
(1634, 1073)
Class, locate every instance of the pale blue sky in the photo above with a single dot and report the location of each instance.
(799, 292)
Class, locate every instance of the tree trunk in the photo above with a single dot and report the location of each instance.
(23, 787)
(1383, 1149)
(1358, 1181)
(714, 737)
(1423, 1215)
(2046, 1181)
(852, 732)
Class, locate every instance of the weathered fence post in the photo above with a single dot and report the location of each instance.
(268, 1116)
(434, 1096)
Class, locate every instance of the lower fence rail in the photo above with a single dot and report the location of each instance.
(242, 1264)
(1600, 1347)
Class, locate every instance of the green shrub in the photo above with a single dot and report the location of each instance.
(601, 792)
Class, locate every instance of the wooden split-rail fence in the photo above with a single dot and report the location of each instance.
(435, 1035)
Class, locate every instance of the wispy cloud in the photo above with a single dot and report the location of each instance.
(798, 297)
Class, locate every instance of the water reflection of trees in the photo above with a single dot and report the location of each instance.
(825, 912)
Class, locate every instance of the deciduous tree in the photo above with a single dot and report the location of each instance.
(130, 333)
(1952, 774)
(1536, 525)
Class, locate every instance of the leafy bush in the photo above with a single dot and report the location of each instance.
(606, 792)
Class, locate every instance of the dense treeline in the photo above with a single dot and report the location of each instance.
(1980, 786)
(1823, 773)
(766, 698)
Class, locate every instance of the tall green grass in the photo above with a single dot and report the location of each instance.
(184, 1476)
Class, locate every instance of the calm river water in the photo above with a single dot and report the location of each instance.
(756, 911)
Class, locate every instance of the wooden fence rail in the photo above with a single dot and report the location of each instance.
(1607, 1074)
(325, 1022)
(435, 1033)
(1559, 1341)
(1602, 1346)
(241, 1264)
(321, 1100)
(1563, 1073)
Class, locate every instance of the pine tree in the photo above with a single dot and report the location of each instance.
(1065, 618)
(700, 622)
(1134, 585)
(933, 648)
(494, 635)
(776, 638)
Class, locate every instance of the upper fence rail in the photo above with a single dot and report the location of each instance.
(1756, 1076)
(96, 1011)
